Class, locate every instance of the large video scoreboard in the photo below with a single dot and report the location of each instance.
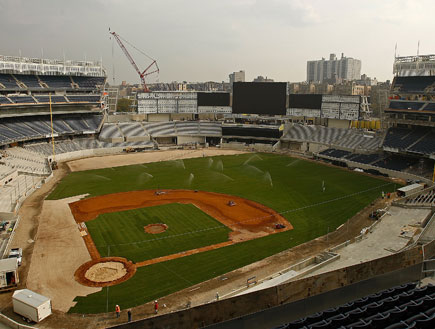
(260, 98)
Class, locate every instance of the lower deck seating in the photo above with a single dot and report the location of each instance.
(351, 139)
(405, 306)
(387, 161)
(18, 129)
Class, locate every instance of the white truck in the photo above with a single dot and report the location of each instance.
(16, 253)
(8, 273)
(30, 305)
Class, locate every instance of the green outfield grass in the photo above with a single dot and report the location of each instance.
(122, 233)
(290, 186)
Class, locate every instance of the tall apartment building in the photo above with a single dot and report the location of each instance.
(237, 77)
(345, 68)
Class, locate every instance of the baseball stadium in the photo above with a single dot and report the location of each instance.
(250, 207)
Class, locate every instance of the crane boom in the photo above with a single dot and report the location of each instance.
(145, 72)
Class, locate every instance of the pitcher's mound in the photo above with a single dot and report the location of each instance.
(105, 272)
(155, 228)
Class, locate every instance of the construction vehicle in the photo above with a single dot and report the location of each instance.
(145, 72)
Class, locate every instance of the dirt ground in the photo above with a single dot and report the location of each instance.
(59, 250)
(31, 221)
(247, 219)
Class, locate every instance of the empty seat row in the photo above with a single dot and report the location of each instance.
(397, 307)
(35, 127)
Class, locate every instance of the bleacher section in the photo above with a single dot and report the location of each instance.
(80, 144)
(110, 131)
(396, 162)
(54, 99)
(38, 82)
(10, 193)
(424, 199)
(351, 139)
(25, 161)
(8, 82)
(426, 145)
(405, 306)
(33, 127)
(56, 81)
(89, 82)
(4, 100)
(84, 98)
(251, 132)
(406, 105)
(161, 128)
(419, 140)
(414, 85)
(22, 99)
(30, 81)
(387, 161)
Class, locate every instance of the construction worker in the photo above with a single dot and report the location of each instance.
(118, 311)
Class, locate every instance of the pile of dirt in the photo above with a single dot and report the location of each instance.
(107, 271)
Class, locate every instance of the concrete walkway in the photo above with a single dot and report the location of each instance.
(390, 235)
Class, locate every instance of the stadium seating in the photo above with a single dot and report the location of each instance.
(365, 158)
(416, 84)
(396, 162)
(22, 99)
(89, 82)
(426, 145)
(430, 107)
(32, 127)
(93, 121)
(186, 128)
(401, 138)
(335, 153)
(84, 98)
(132, 129)
(79, 144)
(54, 99)
(393, 162)
(56, 81)
(210, 128)
(30, 81)
(166, 128)
(427, 199)
(7, 82)
(26, 161)
(261, 132)
(4, 100)
(406, 105)
(110, 131)
(405, 306)
(343, 138)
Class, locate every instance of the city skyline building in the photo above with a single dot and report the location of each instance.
(335, 70)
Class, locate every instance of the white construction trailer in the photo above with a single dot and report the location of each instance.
(30, 305)
(8, 273)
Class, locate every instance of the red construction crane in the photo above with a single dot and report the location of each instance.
(145, 72)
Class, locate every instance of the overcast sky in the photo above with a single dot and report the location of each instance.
(205, 40)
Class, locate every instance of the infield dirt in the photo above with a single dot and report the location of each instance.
(247, 219)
